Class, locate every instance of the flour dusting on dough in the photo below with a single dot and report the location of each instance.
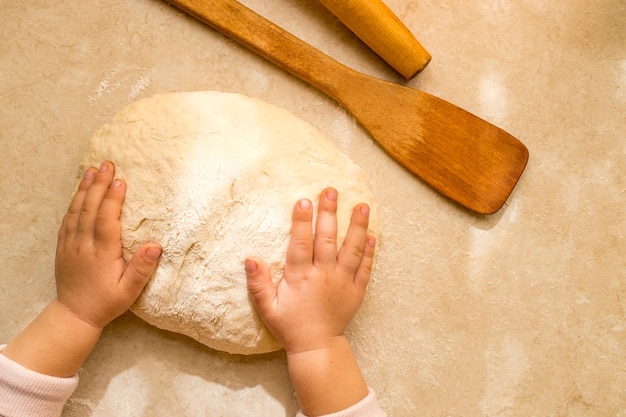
(213, 178)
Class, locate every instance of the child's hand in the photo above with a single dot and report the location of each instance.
(93, 281)
(322, 289)
(94, 285)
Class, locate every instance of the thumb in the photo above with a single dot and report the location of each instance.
(260, 285)
(140, 268)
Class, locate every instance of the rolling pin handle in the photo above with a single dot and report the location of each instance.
(376, 24)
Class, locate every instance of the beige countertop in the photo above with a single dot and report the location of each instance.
(516, 314)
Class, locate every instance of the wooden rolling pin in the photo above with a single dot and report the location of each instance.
(383, 32)
(458, 154)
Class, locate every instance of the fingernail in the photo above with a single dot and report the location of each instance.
(365, 210)
(305, 204)
(331, 195)
(251, 266)
(153, 253)
(116, 184)
(371, 241)
(103, 167)
(89, 174)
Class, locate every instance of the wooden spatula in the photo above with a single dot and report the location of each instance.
(460, 155)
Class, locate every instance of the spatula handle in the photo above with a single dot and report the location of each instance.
(270, 41)
(378, 26)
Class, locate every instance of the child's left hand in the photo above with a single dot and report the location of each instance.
(94, 284)
(93, 281)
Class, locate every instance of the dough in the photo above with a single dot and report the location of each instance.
(213, 178)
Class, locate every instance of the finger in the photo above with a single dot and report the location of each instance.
(107, 228)
(139, 270)
(300, 249)
(93, 198)
(70, 220)
(325, 243)
(260, 285)
(351, 252)
(364, 271)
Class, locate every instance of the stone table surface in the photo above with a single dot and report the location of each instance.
(515, 314)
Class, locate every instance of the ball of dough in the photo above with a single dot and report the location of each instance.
(213, 177)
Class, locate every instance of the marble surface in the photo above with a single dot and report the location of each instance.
(516, 314)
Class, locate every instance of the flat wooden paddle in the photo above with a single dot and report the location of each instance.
(460, 155)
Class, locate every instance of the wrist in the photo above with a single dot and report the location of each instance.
(318, 348)
(326, 379)
(56, 343)
(68, 319)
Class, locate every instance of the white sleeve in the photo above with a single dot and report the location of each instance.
(27, 393)
(367, 407)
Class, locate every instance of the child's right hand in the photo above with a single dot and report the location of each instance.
(322, 288)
